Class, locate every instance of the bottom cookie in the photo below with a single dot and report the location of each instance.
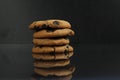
(55, 71)
(37, 77)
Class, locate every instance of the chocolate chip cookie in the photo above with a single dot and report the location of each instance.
(54, 49)
(52, 56)
(53, 33)
(51, 42)
(53, 23)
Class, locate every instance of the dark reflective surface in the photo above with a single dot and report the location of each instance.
(91, 61)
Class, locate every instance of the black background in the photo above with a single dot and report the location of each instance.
(96, 42)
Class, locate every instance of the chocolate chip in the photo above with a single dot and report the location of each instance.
(37, 28)
(55, 22)
(40, 28)
(66, 52)
(44, 26)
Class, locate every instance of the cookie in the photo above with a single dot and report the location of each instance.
(51, 33)
(51, 42)
(52, 49)
(55, 71)
(38, 77)
(51, 63)
(38, 25)
(50, 56)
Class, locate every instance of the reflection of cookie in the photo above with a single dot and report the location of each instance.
(53, 33)
(56, 56)
(49, 24)
(38, 77)
(50, 42)
(54, 49)
(54, 71)
(51, 63)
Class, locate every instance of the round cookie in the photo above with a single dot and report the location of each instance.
(55, 71)
(51, 42)
(51, 33)
(55, 56)
(52, 49)
(51, 63)
(38, 77)
(38, 25)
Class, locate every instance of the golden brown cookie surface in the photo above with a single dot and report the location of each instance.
(50, 42)
(52, 49)
(56, 56)
(53, 33)
(55, 23)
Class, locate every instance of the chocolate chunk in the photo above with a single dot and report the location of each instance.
(56, 23)
(40, 28)
(66, 52)
(44, 26)
(37, 28)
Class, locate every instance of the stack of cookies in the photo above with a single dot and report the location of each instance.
(51, 49)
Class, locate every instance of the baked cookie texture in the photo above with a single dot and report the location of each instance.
(54, 49)
(51, 42)
(51, 49)
(49, 24)
(52, 56)
(53, 33)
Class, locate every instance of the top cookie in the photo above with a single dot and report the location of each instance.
(38, 25)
